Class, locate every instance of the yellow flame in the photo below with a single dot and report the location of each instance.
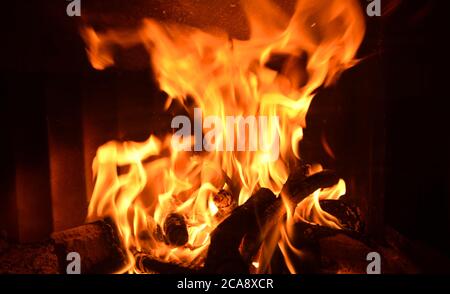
(138, 185)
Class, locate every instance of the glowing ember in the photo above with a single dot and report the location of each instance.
(139, 185)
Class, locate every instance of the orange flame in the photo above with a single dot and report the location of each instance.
(138, 185)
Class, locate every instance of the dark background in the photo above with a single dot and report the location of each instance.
(386, 119)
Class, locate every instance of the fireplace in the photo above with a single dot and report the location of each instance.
(90, 166)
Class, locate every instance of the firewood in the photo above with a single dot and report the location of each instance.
(148, 264)
(223, 254)
(225, 202)
(223, 199)
(261, 211)
(348, 214)
(326, 250)
(175, 230)
(158, 234)
(329, 251)
(296, 176)
(297, 188)
(97, 243)
(344, 251)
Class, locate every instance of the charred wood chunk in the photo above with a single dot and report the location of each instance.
(329, 251)
(343, 254)
(309, 234)
(301, 189)
(223, 199)
(225, 203)
(175, 230)
(263, 210)
(97, 243)
(297, 187)
(158, 234)
(223, 252)
(348, 214)
(326, 250)
(296, 177)
(149, 265)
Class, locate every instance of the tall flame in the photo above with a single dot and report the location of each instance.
(139, 184)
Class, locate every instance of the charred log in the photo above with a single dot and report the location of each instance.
(297, 188)
(223, 253)
(225, 202)
(327, 250)
(149, 265)
(349, 215)
(260, 212)
(97, 243)
(175, 230)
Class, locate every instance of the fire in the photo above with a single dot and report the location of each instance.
(139, 184)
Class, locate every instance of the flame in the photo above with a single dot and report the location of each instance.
(139, 184)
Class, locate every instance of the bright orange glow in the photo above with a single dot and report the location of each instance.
(139, 184)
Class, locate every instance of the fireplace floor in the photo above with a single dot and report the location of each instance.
(101, 253)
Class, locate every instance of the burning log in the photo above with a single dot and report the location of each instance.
(157, 234)
(297, 187)
(225, 203)
(149, 265)
(253, 218)
(323, 250)
(349, 215)
(175, 230)
(223, 254)
(296, 177)
(326, 250)
(223, 200)
(262, 210)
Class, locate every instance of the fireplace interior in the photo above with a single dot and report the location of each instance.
(380, 127)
